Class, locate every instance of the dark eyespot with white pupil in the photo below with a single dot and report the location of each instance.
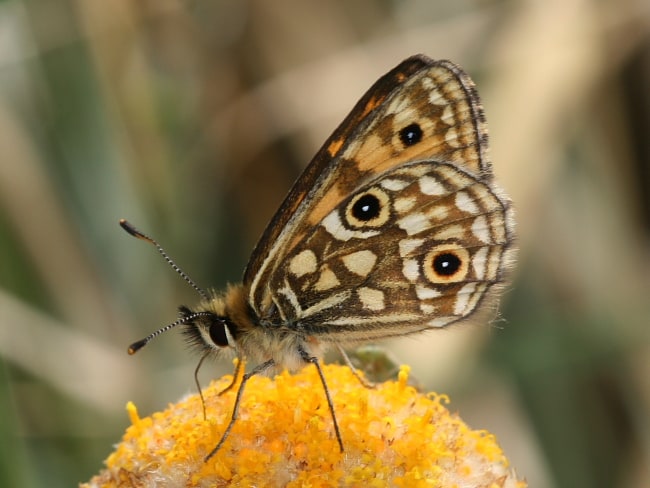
(366, 208)
(411, 134)
(446, 264)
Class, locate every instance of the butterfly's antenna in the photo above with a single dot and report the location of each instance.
(136, 233)
(136, 346)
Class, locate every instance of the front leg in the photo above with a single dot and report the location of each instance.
(235, 412)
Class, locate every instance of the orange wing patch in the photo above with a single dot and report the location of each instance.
(335, 146)
(372, 104)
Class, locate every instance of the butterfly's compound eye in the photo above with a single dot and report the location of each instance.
(218, 333)
(370, 208)
(446, 264)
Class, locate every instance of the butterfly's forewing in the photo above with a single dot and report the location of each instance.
(420, 111)
(310, 182)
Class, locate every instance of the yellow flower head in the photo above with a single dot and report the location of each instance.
(393, 436)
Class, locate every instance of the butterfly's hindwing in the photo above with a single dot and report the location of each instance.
(375, 266)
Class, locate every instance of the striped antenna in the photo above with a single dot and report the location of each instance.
(136, 346)
(136, 233)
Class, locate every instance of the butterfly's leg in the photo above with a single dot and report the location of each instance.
(314, 360)
(235, 412)
(196, 380)
(355, 371)
(235, 376)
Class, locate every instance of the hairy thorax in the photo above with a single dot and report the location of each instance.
(255, 342)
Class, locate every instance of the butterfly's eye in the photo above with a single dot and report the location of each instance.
(370, 208)
(411, 134)
(446, 264)
(218, 334)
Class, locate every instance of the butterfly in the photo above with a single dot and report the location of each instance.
(395, 227)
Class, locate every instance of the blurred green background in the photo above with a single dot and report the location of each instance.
(193, 118)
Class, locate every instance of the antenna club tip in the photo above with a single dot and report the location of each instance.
(128, 227)
(136, 346)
